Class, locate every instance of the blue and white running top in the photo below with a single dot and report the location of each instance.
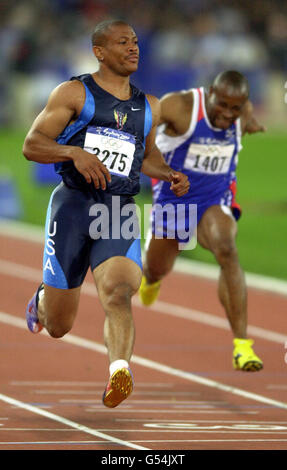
(206, 154)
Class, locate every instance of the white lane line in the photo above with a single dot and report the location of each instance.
(36, 234)
(187, 431)
(157, 402)
(210, 320)
(39, 429)
(209, 271)
(19, 443)
(68, 383)
(276, 387)
(94, 346)
(20, 270)
(144, 441)
(67, 422)
(217, 421)
(165, 308)
(211, 440)
(42, 383)
(147, 411)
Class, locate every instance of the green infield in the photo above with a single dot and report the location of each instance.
(262, 169)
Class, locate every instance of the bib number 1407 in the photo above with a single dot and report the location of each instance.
(209, 159)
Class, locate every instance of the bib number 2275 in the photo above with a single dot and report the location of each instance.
(114, 148)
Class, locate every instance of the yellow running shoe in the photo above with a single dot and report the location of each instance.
(148, 292)
(119, 387)
(244, 357)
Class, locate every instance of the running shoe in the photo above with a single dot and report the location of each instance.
(32, 312)
(119, 387)
(148, 292)
(244, 358)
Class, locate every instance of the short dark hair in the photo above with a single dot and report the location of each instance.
(99, 34)
(231, 78)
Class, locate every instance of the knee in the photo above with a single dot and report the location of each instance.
(57, 331)
(58, 310)
(57, 325)
(226, 252)
(118, 293)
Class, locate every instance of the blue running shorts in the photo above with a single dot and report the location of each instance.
(177, 218)
(83, 230)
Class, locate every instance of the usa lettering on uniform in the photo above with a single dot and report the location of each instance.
(50, 250)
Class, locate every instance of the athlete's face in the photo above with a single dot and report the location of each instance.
(224, 106)
(120, 51)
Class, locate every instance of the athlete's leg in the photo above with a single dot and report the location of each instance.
(65, 263)
(217, 233)
(117, 280)
(160, 257)
(57, 309)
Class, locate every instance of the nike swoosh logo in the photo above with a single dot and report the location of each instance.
(135, 109)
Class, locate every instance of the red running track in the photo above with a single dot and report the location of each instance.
(186, 396)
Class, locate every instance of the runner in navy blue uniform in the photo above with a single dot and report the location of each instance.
(99, 131)
(200, 135)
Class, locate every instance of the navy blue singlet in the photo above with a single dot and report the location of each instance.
(114, 131)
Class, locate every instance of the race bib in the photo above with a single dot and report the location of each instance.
(210, 159)
(113, 147)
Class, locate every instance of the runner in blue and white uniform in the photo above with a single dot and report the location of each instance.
(200, 135)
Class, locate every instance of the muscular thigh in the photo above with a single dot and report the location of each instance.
(116, 233)
(217, 226)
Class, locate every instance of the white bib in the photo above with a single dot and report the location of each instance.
(210, 159)
(113, 147)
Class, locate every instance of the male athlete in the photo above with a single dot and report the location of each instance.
(99, 131)
(200, 135)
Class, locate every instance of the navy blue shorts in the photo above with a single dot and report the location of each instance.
(83, 230)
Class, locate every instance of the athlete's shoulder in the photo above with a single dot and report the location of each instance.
(153, 100)
(181, 97)
(70, 94)
(68, 90)
(177, 102)
(176, 105)
(154, 104)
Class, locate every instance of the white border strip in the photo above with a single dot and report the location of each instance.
(36, 234)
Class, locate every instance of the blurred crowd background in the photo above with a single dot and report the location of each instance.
(183, 43)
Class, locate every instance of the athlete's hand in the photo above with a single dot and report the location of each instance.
(253, 126)
(179, 183)
(92, 169)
